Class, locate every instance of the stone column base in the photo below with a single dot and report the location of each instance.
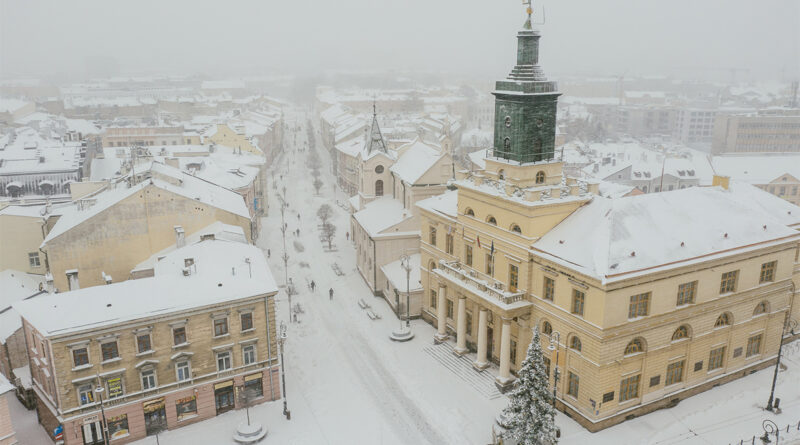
(503, 384)
(460, 351)
(440, 338)
(480, 366)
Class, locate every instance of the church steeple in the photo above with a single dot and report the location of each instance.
(525, 105)
(374, 136)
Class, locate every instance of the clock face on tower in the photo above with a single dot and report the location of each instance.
(539, 122)
(508, 121)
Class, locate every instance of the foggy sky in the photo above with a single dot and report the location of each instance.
(474, 38)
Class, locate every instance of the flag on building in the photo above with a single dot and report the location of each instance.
(478, 239)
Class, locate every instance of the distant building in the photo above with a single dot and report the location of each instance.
(778, 174)
(768, 131)
(7, 433)
(145, 135)
(162, 362)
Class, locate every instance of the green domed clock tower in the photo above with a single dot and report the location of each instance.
(525, 106)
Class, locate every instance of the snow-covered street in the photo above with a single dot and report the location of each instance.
(348, 383)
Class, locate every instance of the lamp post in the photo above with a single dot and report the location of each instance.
(99, 391)
(555, 338)
(790, 325)
(405, 263)
(770, 427)
(404, 333)
(282, 342)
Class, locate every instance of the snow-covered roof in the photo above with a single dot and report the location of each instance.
(188, 186)
(397, 275)
(221, 231)
(381, 214)
(31, 211)
(415, 161)
(445, 204)
(608, 238)
(26, 151)
(479, 158)
(223, 272)
(15, 286)
(5, 386)
(10, 105)
(757, 169)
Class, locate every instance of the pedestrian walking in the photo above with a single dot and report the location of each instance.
(313, 285)
(330, 293)
(268, 253)
(348, 236)
(298, 216)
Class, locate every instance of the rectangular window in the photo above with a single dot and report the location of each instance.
(220, 326)
(80, 357)
(767, 272)
(179, 336)
(513, 277)
(513, 351)
(449, 308)
(546, 366)
(247, 321)
(629, 388)
(148, 379)
(434, 299)
(109, 350)
(578, 300)
(715, 358)
(448, 243)
(573, 384)
(432, 236)
(489, 265)
(549, 288)
(607, 397)
(468, 255)
(223, 361)
(253, 388)
(675, 372)
(33, 259)
(182, 371)
(754, 345)
(469, 323)
(186, 407)
(686, 293)
(143, 343)
(118, 426)
(249, 354)
(728, 282)
(639, 305)
(86, 394)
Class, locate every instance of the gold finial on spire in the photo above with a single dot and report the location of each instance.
(529, 10)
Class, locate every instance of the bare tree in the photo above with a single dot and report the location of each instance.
(328, 232)
(317, 184)
(325, 213)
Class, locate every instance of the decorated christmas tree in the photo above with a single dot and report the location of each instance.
(530, 418)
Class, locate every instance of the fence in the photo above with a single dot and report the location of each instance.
(773, 434)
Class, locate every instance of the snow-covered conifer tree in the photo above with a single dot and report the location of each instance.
(530, 418)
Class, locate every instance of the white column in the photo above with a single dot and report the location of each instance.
(441, 315)
(480, 362)
(461, 327)
(504, 378)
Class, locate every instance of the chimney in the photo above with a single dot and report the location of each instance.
(721, 181)
(50, 285)
(172, 162)
(72, 279)
(180, 237)
(106, 277)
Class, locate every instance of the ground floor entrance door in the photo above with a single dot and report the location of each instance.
(92, 433)
(489, 344)
(223, 396)
(155, 416)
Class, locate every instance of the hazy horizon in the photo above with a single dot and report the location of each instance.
(52, 39)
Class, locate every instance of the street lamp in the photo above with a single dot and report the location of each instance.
(770, 427)
(790, 325)
(555, 338)
(405, 263)
(282, 342)
(404, 333)
(99, 391)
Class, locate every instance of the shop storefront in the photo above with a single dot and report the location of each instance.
(224, 397)
(155, 416)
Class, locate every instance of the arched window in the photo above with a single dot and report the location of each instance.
(501, 174)
(635, 346)
(516, 228)
(507, 144)
(575, 343)
(432, 265)
(379, 188)
(490, 219)
(547, 328)
(469, 212)
(762, 308)
(540, 177)
(680, 333)
(723, 320)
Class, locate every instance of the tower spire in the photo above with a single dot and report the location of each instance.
(529, 10)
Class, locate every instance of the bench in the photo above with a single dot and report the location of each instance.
(372, 315)
(362, 304)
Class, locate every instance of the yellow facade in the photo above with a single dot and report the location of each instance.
(507, 300)
(20, 238)
(238, 141)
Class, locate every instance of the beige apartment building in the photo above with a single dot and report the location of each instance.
(645, 300)
(767, 131)
(162, 363)
(7, 434)
(134, 222)
(127, 136)
(22, 230)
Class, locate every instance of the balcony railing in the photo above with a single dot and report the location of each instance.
(481, 283)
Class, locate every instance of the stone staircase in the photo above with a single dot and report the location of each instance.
(483, 382)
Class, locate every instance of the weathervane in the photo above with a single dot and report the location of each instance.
(529, 10)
